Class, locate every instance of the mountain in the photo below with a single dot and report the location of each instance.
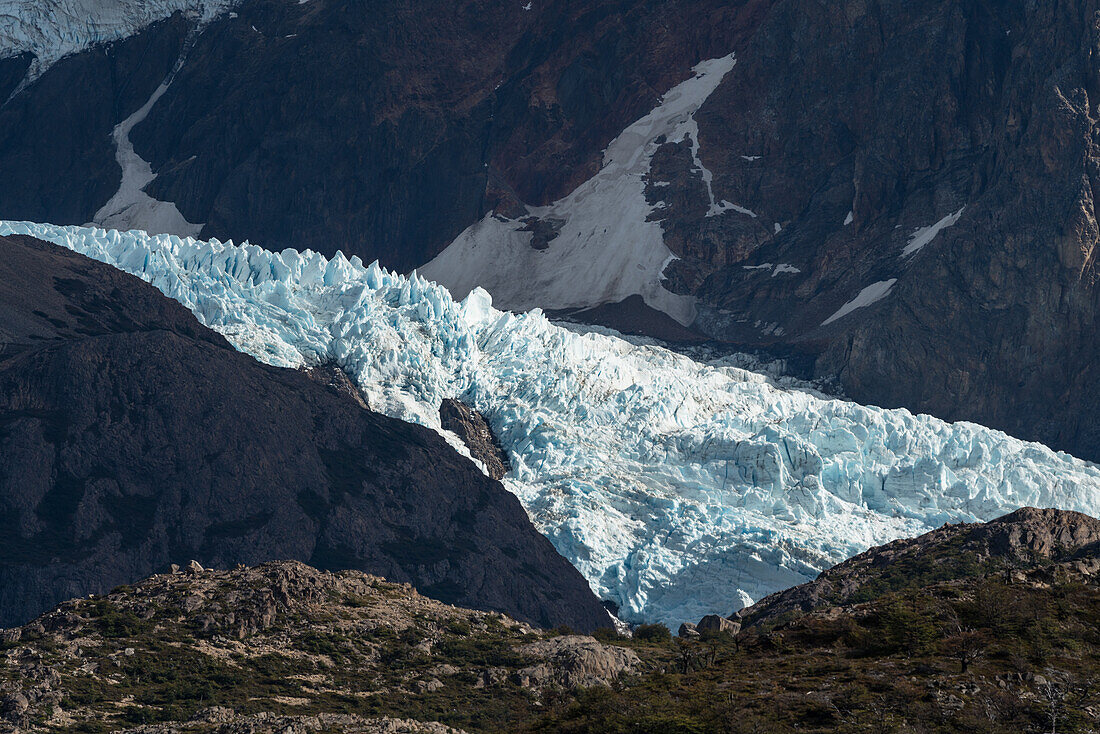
(282, 647)
(132, 437)
(897, 195)
(677, 486)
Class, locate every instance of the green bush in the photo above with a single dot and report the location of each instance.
(607, 634)
(652, 633)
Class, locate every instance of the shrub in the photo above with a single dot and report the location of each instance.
(607, 634)
(652, 633)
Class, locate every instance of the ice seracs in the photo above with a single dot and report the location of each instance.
(678, 488)
(53, 29)
(606, 249)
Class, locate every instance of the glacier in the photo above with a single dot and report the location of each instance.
(677, 487)
(53, 29)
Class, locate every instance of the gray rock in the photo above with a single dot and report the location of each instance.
(715, 623)
(576, 660)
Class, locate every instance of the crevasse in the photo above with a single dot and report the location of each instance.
(677, 488)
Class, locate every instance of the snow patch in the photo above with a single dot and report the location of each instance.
(849, 219)
(677, 488)
(776, 269)
(871, 294)
(923, 235)
(607, 249)
(131, 207)
(725, 206)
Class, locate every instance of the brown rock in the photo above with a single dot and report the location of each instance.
(476, 433)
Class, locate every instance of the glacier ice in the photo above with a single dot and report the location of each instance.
(678, 488)
(53, 29)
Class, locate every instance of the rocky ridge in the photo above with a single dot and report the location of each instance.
(1028, 542)
(325, 636)
(130, 436)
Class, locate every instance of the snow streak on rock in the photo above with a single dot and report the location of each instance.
(923, 235)
(677, 488)
(871, 294)
(131, 207)
(606, 249)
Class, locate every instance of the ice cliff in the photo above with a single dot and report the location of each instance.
(52, 29)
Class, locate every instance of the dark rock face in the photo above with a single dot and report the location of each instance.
(12, 71)
(383, 130)
(1025, 539)
(903, 113)
(55, 136)
(476, 433)
(131, 437)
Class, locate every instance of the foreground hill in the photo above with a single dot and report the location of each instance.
(1021, 540)
(131, 437)
(285, 648)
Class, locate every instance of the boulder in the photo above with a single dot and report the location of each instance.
(715, 623)
(573, 661)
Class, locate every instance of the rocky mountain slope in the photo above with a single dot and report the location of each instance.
(280, 640)
(1019, 541)
(286, 648)
(132, 437)
(900, 193)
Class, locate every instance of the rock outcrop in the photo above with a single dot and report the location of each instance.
(1024, 541)
(715, 624)
(476, 433)
(573, 661)
(131, 437)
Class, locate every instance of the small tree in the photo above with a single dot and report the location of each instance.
(1052, 692)
(967, 646)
